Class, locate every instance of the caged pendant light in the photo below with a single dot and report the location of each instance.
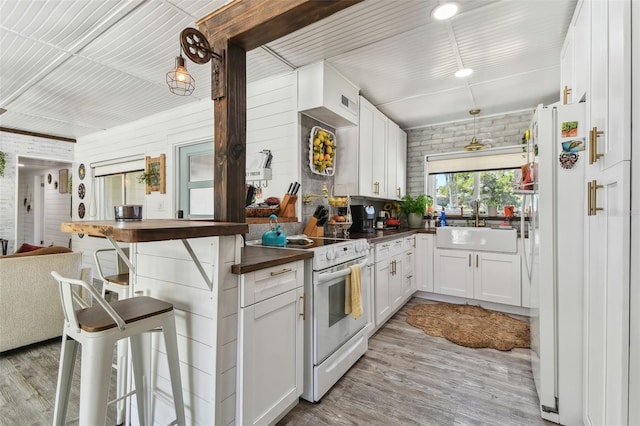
(474, 145)
(179, 80)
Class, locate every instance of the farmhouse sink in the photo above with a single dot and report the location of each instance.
(484, 239)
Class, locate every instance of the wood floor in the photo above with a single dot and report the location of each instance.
(406, 378)
(410, 378)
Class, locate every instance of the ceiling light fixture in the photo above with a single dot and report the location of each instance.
(474, 145)
(444, 11)
(179, 80)
(195, 47)
(463, 72)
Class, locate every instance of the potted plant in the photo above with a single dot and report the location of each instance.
(414, 208)
(149, 177)
(2, 163)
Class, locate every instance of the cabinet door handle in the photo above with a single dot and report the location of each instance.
(592, 206)
(283, 271)
(377, 187)
(303, 314)
(565, 94)
(399, 192)
(476, 261)
(593, 145)
(469, 260)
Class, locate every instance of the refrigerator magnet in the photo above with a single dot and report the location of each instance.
(568, 160)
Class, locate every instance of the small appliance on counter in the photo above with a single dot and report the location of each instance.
(274, 237)
(363, 218)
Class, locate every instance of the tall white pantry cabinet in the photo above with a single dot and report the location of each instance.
(597, 60)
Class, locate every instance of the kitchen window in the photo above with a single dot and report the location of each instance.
(116, 183)
(456, 179)
(196, 180)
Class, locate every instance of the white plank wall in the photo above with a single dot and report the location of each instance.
(206, 320)
(272, 123)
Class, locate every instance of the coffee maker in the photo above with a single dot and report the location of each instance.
(363, 218)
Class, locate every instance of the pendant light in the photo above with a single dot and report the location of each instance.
(179, 80)
(474, 145)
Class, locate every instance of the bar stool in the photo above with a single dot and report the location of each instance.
(97, 329)
(119, 284)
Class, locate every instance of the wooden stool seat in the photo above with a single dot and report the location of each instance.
(96, 319)
(119, 279)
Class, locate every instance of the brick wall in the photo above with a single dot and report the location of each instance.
(503, 129)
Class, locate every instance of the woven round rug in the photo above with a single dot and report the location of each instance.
(470, 326)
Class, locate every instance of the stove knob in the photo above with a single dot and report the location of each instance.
(331, 254)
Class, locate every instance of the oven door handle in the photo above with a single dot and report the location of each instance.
(329, 276)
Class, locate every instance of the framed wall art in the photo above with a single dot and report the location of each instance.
(63, 177)
(154, 174)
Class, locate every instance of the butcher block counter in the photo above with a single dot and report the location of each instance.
(154, 229)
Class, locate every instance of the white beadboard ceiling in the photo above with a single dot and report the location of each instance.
(73, 67)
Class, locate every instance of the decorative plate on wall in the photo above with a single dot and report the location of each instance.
(322, 151)
(49, 178)
(81, 171)
(81, 210)
(81, 191)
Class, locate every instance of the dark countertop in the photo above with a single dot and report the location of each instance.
(255, 258)
(154, 229)
(379, 236)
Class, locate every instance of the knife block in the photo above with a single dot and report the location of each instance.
(312, 229)
(288, 206)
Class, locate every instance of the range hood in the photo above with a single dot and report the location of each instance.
(327, 96)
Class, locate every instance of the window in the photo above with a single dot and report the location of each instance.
(196, 180)
(120, 188)
(456, 179)
(458, 189)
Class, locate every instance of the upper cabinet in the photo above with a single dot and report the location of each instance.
(326, 95)
(372, 156)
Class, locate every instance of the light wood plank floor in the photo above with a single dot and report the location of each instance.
(410, 378)
(406, 378)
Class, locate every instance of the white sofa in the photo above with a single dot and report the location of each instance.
(30, 308)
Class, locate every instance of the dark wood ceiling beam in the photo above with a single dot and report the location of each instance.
(39, 135)
(252, 23)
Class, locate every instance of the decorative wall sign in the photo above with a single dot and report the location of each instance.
(63, 177)
(81, 191)
(154, 174)
(81, 210)
(81, 171)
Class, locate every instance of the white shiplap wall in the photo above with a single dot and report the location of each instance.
(15, 146)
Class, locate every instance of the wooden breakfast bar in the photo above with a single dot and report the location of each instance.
(188, 263)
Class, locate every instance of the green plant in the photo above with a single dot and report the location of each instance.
(413, 205)
(2, 162)
(149, 177)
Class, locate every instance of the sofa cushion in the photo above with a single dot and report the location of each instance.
(39, 252)
(26, 247)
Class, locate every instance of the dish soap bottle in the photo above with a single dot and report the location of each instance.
(443, 218)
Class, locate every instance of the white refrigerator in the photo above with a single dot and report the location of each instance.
(555, 257)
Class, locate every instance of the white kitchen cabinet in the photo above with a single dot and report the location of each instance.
(324, 94)
(492, 277)
(409, 268)
(389, 279)
(270, 343)
(567, 78)
(424, 262)
(581, 52)
(371, 159)
(401, 164)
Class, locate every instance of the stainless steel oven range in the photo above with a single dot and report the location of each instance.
(334, 341)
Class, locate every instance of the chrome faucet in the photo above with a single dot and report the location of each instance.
(476, 212)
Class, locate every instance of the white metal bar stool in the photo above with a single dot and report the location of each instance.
(97, 329)
(119, 284)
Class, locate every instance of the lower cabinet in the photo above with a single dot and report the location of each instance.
(395, 280)
(424, 262)
(270, 344)
(492, 277)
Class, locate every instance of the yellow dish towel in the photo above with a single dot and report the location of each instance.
(353, 292)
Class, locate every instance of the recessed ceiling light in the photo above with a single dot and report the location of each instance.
(444, 11)
(464, 72)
